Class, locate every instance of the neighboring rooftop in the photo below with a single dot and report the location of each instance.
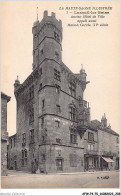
(4, 96)
(97, 125)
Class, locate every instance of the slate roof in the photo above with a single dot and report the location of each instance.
(97, 124)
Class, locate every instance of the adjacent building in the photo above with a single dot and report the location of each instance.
(53, 119)
(101, 146)
(4, 134)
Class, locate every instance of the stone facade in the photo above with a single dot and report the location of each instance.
(101, 151)
(12, 153)
(4, 134)
(52, 117)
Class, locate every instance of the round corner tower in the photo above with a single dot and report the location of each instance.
(47, 38)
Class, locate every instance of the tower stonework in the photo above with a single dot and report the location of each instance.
(52, 116)
(48, 103)
(47, 38)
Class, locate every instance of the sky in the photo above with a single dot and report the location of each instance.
(96, 48)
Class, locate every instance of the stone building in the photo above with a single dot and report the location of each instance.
(12, 153)
(52, 116)
(4, 134)
(101, 151)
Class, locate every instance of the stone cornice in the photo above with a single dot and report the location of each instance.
(35, 74)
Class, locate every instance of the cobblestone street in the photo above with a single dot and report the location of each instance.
(19, 180)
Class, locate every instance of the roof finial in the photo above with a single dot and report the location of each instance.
(37, 13)
(81, 66)
(17, 77)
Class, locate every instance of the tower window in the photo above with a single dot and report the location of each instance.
(42, 124)
(72, 88)
(23, 139)
(58, 140)
(31, 92)
(31, 116)
(57, 123)
(73, 136)
(42, 51)
(56, 36)
(56, 56)
(32, 136)
(58, 109)
(57, 89)
(43, 103)
(72, 113)
(57, 75)
(43, 138)
(40, 86)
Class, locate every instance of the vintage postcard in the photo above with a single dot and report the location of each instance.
(60, 96)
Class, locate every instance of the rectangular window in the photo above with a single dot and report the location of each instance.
(58, 140)
(43, 103)
(57, 123)
(90, 147)
(57, 75)
(73, 136)
(23, 139)
(90, 136)
(72, 88)
(43, 138)
(40, 86)
(31, 116)
(56, 56)
(42, 122)
(24, 158)
(72, 114)
(31, 92)
(32, 136)
(57, 89)
(58, 109)
(56, 36)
